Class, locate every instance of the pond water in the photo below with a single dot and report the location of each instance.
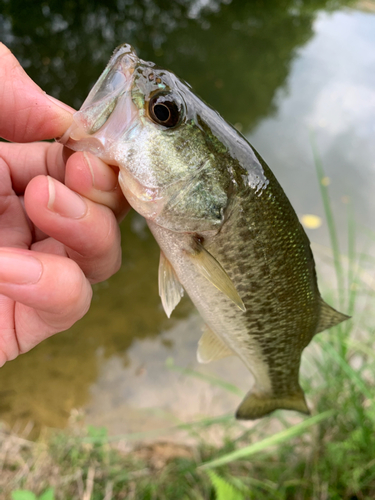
(279, 71)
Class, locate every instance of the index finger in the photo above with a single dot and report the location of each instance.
(27, 113)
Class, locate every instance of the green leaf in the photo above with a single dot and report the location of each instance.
(49, 494)
(223, 489)
(280, 437)
(97, 432)
(23, 495)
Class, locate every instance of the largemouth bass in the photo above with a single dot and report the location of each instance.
(227, 232)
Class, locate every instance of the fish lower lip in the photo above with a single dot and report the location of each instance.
(64, 139)
(89, 144)
(121, 122)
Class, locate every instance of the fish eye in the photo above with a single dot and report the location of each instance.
(164, 110)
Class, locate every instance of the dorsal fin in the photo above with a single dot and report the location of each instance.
(329, 317)
(211, 347)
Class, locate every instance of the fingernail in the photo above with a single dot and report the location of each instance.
(19, 269)
(65, 202)
(103, 177)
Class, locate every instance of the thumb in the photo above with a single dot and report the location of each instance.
(27, 113)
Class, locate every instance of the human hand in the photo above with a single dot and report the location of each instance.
(58, 217)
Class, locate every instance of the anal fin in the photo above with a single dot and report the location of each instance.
(329, 317)
(211, 347)
(259, 405)
(170, 289)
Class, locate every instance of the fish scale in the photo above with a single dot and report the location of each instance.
(227, 232)
(269, 312)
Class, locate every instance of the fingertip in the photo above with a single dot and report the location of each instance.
(31, 114)
(85, 172)
(50, 283)
(60, 297)
(57, 117)
(94, 179)
(78, 175)
(63, 112)
(3, 356)
(36, 194)
(103, 176)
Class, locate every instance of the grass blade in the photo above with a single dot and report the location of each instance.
(349, 371)
(330, 220)
(278, 438)
(351, 259)
(208, 378)
(203, 422)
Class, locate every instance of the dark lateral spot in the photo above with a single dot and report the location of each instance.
(199, 238)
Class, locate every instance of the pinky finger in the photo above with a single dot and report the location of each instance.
(50, 293)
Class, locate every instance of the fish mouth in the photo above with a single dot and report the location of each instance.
(108, 111)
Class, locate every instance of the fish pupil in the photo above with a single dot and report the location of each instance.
(162, 112)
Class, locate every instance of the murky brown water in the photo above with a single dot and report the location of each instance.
(277, 71)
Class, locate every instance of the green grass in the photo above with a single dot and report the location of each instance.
(328, 456)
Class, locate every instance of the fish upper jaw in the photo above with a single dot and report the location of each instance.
(108, 114)
(106, 124)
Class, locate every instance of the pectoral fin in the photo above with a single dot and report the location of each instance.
(211, 347)
(259, 405)
(211, 269)
(170, 289)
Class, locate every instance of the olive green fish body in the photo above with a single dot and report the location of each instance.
(227, 232)
(267, 255)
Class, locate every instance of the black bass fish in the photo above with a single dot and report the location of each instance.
(227, 232)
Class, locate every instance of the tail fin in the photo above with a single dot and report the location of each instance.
(259, 405)
(329, 317)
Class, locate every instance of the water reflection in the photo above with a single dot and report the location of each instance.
(331, 91)
(222, 48)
